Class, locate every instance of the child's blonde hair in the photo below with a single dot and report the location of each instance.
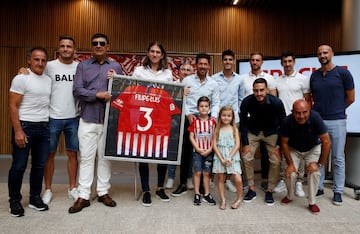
(219, 123)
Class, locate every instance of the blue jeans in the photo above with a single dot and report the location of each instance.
(337, 131)
(172, 171)
(202, 164)
(38, 137)
(70, 129)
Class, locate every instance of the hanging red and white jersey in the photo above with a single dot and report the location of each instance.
(203, 132)
(145, 121)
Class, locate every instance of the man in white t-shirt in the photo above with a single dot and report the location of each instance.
(256, 61)
(292, 86)
(63, 115)
(29, 100)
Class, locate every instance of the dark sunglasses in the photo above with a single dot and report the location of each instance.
(95, 43)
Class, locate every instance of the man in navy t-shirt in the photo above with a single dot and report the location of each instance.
(332, 89)
(304, 136)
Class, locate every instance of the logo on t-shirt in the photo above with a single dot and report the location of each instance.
(203, 131)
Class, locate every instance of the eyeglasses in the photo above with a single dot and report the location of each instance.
(95, 43)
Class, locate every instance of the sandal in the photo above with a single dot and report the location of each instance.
(222, 205)
(236, 204)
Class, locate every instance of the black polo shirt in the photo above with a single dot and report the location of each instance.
(303, 137)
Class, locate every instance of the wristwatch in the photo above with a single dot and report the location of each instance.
(320, 165)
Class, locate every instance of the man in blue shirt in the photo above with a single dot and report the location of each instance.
(232, 89)
(332, 89)
(231, 85)
(260, 117)
(201, 84)
(304, 136)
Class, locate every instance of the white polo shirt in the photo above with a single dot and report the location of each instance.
(291, 88)
(249, 79)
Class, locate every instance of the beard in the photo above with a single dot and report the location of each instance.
(324, 61)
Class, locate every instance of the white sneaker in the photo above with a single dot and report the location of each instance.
(73, 194)
(47, 196)
(299, 189)
(189, 183)
(229, 186)
(169, 183)
(280, 187)
(212, 184)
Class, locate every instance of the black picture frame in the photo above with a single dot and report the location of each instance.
(119, 86)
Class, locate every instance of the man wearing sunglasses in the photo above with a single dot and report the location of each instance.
(90, 87)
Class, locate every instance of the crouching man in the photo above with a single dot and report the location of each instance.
(304, 136)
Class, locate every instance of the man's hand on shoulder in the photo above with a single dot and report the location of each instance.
(191, 118)
(23, 70)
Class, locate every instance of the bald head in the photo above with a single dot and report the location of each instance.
(325, 47)
(300, 103)
(325, 54)
(301, 111)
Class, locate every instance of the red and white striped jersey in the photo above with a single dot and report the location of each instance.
(144, 123)
(203, 132)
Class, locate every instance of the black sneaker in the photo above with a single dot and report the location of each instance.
(320, 193)
(162, 195)
(269, 200)
(16, 209)
(147, 199)
(37, 203)
(197, 201)
(179, 191)
(209, 200)
(337, 200)
(250, 195)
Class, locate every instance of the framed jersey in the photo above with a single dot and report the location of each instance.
(144, 120)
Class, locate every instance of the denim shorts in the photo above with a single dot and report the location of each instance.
(202, 164)
(70, 129)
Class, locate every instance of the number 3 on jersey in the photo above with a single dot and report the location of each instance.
(147, 116)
